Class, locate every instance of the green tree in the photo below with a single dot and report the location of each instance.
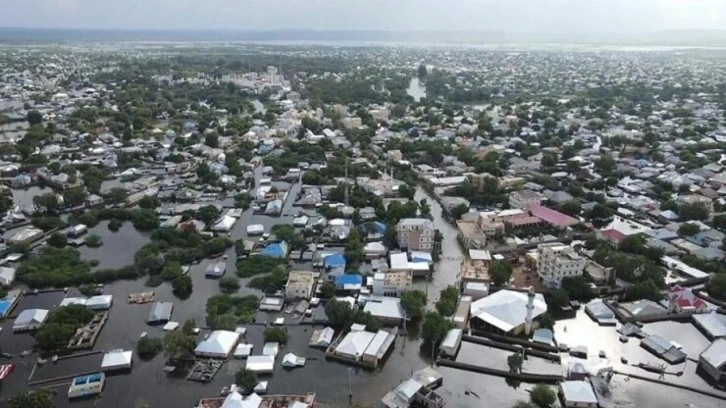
(40, 398)
(558, 299)
(178, 345)
(500, 272)
(694, 211)
(117, 195)
(434, 328)
(542, 396)
(147, 347)
(182, 286)
(149, 202)
(354, 253)
(34, 117)
(414, 303)
(515, 361)
(688, 229)
(448, 299)
(571, 207)
(211, 140)
(458, 211)
(229, 284)
(275, 334)
(58, 240)
(422, 71)
(246, 380)
(94, 241)
(171, 271)
(522, 404)
(717, 286)
(208, 214)
(546, 321)
(577, 287)
(327, 289)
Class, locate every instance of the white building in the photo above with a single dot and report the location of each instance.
(507, 310)
(392, 283)
(219, 344)
(578, 394)
(713, 361)
(30, 319)
(557, 261)
(117, 360)
(299, 285)
(416, 234)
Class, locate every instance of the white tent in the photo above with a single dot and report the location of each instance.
(102, 302)
(255, 229)
(117, 360)
(261, 364)
(225, 224)
(73, 301)
(219, 344)
(30, 319)
(291, 360)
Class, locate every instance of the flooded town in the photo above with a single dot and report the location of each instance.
(231, 224)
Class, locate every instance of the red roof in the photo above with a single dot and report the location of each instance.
(613, 235)
(5, 370)
(553, 217)
(685, 298)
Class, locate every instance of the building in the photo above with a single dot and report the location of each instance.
(365, 346)
(215, 270)
(578, 394)
(683, 300)
(7, 276)
(601, 313)
(86, 386)
(30, 319)
(461, 315)
(412, 393)
(415, 234)
(475, 268)
(450, 345)
(508, 311)
(713, 324)
(392, 283)
(219, 344)
(713, 361)
(557, 261)
(300, 285)
(160, 313)
(524, 199)
(260, 364)
(663, 349)
(117, 360)
(552, 217)
(387, 310)
(25, 236)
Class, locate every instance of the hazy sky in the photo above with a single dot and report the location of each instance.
(550, 16)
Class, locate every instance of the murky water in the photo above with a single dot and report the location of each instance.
(416, 89)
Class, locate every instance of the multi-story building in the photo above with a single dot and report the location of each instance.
(391, 283)
(415, 234)
(556, 261)
(300, 285)
(524, 199)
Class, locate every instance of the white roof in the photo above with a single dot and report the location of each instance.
(29, 318)
(243, 350)
(261, 363)
(170, 326)
(225, 224)
(99, 302)
(715, 354)
(255, 228)
(355, 343)
(506, 309)
(235, 400)
(291, 360)
(452, 337)
(390, 309)
(72, 301)
(7, 275)
(374, 347)
(322, 337)
(270, 349)
(399, 261)
(578, 392)
(407, 389)
(117, 359)
(219, 343)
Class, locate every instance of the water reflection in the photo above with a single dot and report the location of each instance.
(118, 248)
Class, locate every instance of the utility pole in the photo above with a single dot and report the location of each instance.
(347, 186)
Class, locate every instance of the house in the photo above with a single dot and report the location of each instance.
(524, 199)
(322, 338)
(117, 360)
(415, 234)
(7, 276)
(30, 319)
(412, 393)
(450, 345)
(557, 261)
(275, 250)
(365, 346)
(578, 394)
(552, 217)
(299, 285)
(713, 361)
(391, 283)
(601, 313)
(350, 283)
(334, 264)
(683, 300)
(160, 313)
(219, 344)
(387, 310)
(663, 349)
(713, 324)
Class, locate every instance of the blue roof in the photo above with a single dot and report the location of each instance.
(4, 306)
(348, 280)
(274, 250)
(334, 260)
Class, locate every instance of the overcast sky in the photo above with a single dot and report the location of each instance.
(545, 16)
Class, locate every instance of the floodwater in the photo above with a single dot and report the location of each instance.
(118, 247)
(416, 89)
(259, 107)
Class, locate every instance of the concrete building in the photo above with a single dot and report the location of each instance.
(416, 234)
(524, 199)
(392, 283)
(557, 261)
(299, 285)
(578, 394)
(713, 361)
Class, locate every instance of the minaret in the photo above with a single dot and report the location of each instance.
(530, 308)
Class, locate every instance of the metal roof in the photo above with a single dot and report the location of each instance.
(715, 354)
(578, 392)
(506, 309)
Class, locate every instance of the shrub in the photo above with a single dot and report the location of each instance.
(148, 347)
(275, 334)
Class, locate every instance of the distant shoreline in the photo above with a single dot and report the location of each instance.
(667, 39)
